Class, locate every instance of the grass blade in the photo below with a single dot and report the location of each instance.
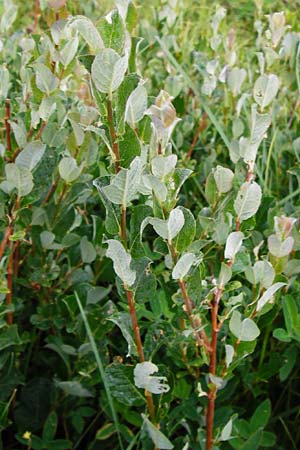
(101, 369)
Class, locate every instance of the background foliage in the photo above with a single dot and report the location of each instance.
(87, 237)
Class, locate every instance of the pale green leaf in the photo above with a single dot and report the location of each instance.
(68, 52)
(167, 229)
(88, 252)
(183, 266)
(136, 105)
(44, 78)
(125, 184)
(121, 262)
(268, 295)
(226, 432)
(31, 155)
(233, 244)
(163, 165)
(248, 200)
(278, 247)
(244, 330)
(223, 178)
(68, 169)
(88, 31)
(108, 70)
(159, 439)
(20, 178)
(265, 89)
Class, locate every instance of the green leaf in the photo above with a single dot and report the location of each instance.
(47, 239)
(44, 78)
(68, 52)
(129, 147)
(252, 442)
(105, 432)
(68, 169)
(187, 233)
(88, 252)
(108, 70)
(125, 184)
(223, 178)
(74, 388)
(291, 315)
(50, 426)
(9, 337)
(268, 295)
(58, 444)
(145, 283)
(183, 266)
(88, 31)
(265, 89)
(261, 415)
(120, 381)
(112, 224)
(31, 155)
(159, 439)
(248, 200)
(112, 31)
(121, 262)
(245, 330)
(123, 321)
(136, 105)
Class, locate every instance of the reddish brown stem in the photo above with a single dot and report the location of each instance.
(51, 191)
(200, 335)
(139, 346)
(210, 412)
(5, 240)
(7, 125)
(36, 15)
(123, 225)
(202, 125)
(113, 136)
(159, 149)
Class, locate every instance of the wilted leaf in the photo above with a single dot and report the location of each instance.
(143, 378)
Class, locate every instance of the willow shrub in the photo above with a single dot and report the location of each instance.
(131, 315)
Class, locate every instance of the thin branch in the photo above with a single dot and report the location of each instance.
(36, 15)
(115, 145)
(202, 125)
(7, 125)
(210, 412)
